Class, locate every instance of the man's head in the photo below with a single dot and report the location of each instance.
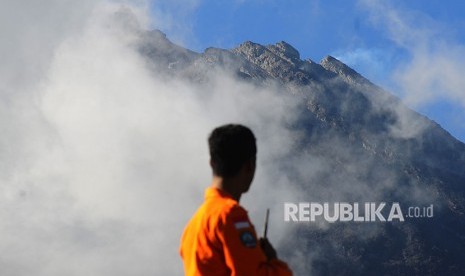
(231, 148)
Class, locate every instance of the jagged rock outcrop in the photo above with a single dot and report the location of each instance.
(163, 53)
(339, 68)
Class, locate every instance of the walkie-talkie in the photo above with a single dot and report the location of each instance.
(265, 229)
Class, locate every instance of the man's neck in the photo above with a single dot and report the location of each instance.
(228, 185)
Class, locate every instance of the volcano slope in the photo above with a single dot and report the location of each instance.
(369, 147)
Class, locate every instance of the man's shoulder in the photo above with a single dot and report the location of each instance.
(228, 209)
(235, 213)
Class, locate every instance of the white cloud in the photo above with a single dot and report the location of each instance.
(433, 72)
(373, 63)
(104, 162)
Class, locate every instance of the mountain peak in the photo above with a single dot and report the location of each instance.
(285, 51)
(160, 50)
(157, 33)
(250, 50)
(334, 65)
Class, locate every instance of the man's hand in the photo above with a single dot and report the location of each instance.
(268, 249)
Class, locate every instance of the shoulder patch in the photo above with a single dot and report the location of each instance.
(248, 239)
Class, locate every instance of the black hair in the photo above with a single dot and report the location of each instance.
(231, 146)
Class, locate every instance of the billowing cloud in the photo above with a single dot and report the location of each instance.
(104, 160)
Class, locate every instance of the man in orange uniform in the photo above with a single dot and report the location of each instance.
(220, 239)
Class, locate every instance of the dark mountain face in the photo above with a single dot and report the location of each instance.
(385, 153)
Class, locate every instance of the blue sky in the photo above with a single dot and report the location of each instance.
(415, 49)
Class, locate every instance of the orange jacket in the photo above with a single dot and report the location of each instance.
(221, 240)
